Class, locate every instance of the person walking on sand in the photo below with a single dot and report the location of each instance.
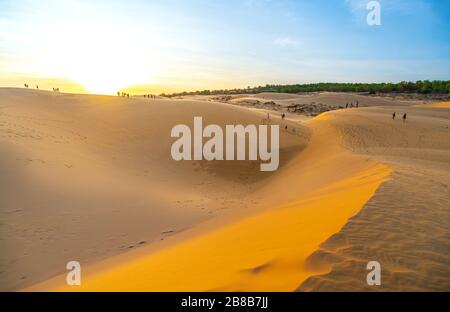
(357, 104)
(346, 105)
(393, 116)
(283, 116)
(404, 117)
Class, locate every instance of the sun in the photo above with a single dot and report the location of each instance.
(108, 78)
(97, 60)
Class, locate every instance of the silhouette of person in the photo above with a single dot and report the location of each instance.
(357, 104)
(283, 115)
(346, 105)
(393, 116)
(404, 117)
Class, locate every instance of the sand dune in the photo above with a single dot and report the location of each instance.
(353, 186)
(299, 107)
(307, 201)
(441, 104)
(326, 98)
(404, 225)
(86, 177)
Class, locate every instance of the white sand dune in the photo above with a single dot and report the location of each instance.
(353, 186)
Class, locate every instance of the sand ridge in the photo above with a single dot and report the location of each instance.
(404, 226)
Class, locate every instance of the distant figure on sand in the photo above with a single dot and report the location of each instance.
(393, 116)
(404, 117)
(285, 128)
(346, 105)
(357, 104)
(283, 116)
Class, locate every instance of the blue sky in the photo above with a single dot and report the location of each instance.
(174, 45)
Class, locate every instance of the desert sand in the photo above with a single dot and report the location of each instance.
(89, 178)
(85, 177)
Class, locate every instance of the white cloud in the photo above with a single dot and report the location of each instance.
(286, 42)
(356, 6)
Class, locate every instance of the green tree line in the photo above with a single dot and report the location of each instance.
(420, 86)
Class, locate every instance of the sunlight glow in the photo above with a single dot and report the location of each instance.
(96, 58)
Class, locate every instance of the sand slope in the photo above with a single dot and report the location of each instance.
(86, 177)
(307, 201)
(405, 225)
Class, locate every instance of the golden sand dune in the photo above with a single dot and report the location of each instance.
(404, 226)
(265, 251)
(441, 104)
(234, 228)
(86, 177)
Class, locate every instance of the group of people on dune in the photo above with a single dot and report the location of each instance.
(352, 104)
(283, 116)
(26, 85)
(123, 94)
(404, 116)
(148, 96)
